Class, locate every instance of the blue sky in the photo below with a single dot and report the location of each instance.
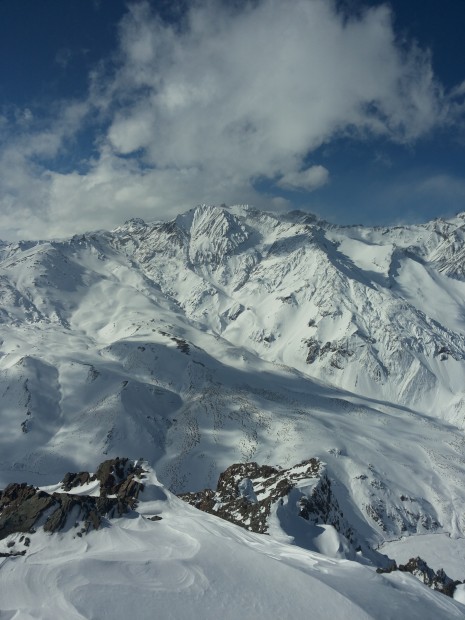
(352, 109)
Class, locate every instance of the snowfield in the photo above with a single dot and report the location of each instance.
(227, 336)
(193, 565)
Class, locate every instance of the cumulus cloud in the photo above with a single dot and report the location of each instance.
(26, 208)
(200, 110)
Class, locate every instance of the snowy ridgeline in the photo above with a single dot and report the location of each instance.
(162, 555)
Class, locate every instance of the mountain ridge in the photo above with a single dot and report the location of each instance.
(119, 542)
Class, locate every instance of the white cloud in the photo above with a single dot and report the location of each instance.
(308, 179)
(198, 112)
(26, 209)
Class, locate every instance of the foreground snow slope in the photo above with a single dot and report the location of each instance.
(193, 565)
(233, 335)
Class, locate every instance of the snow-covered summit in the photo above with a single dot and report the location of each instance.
(376, 310)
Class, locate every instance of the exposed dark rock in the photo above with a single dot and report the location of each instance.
(376, 511)
(90, 510)
(181, 344)
(408, 519)
(419, 568)
(338, 350)
(72, 480)
(313, 350)
(22, 506)
(445, 352)
(246, 492)
(12, 554)
(109, 473)
(436, 580)
(320, 507)
(235, 311)
(117, 477)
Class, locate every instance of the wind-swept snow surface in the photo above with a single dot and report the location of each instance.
(193, 565)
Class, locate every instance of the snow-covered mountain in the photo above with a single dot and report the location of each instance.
(232, 335)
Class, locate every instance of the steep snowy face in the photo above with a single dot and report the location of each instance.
(214, 235)
(375, 311)
(448, 257)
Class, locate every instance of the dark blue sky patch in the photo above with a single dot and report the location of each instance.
(139, 100)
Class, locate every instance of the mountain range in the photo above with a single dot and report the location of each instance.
(235, 336)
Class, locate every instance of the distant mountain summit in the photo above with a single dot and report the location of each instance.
(377, 311)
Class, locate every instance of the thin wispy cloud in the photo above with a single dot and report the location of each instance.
(201, 110)
(309, 179)
(63, 57)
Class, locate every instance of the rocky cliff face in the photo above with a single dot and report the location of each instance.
(23, 507)
(251, 495)
(436, 580)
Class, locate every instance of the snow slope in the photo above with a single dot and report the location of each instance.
(193, 565)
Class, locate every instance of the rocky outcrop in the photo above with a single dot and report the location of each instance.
(21, 506)
(437, 580)
(72, 480)
(120, 477)
(24, 507)
(252, 496)
(246, 494)
(338, 352)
